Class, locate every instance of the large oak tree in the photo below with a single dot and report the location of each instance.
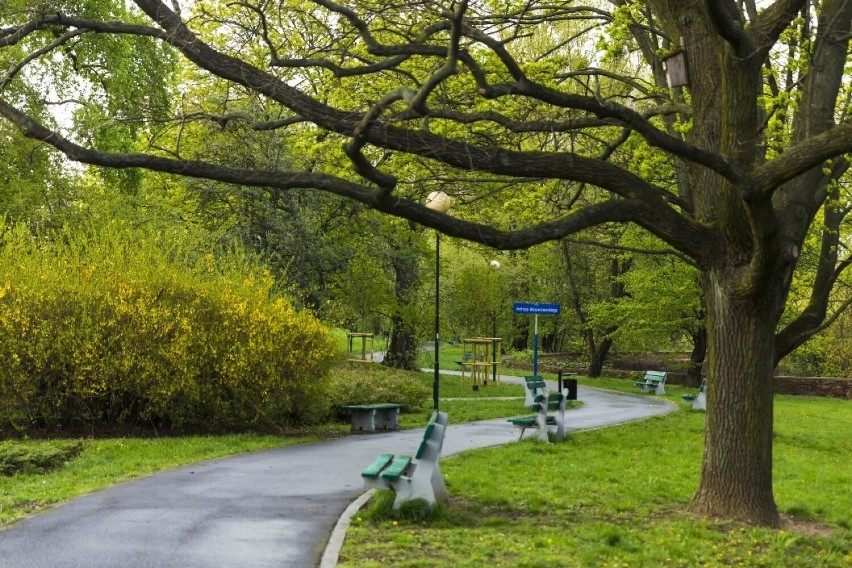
(502, 104)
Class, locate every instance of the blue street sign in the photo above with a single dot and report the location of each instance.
(535, 308)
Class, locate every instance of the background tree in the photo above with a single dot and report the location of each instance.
(430, 95)
(595, 280)
(660, 305)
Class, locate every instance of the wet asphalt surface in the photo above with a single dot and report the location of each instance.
(270, 508)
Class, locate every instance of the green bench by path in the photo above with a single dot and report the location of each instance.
(534, 385)
(417, 477)
(699, 401)
(544, 402)
(372, 417)
(653, 381)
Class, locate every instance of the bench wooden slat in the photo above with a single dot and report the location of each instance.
(522, 420)
(429, 426)
(374, 469)
(378, 406)
(553, 401)
(397, 467)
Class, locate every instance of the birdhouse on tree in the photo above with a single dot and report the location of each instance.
(675, 67)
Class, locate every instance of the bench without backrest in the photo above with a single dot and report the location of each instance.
(413, 478)
(369, 417)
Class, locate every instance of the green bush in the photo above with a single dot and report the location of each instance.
(16, 457)
(371, 383)
(119, 328)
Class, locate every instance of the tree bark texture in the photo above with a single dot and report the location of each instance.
(736, 473)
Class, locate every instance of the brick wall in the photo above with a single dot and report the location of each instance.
(814, 386)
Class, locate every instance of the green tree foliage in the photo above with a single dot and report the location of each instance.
(475, 296)
(111, 328)
(33, 188)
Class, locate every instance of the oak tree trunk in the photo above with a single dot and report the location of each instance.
(597, 355)
(403, 348)
(736, 476)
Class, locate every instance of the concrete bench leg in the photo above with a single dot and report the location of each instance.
(541, 425)
(387, 419)
(363, 420)
(700, 402)
(425, 481)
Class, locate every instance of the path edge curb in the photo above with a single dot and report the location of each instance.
(332, 549)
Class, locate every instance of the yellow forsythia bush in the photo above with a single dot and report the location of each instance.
(111, 329)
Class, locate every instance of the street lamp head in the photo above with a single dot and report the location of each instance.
(495, 264)
(438, 201)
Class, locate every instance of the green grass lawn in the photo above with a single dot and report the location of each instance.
(617, 497)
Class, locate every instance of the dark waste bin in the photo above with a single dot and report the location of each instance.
(568, 383)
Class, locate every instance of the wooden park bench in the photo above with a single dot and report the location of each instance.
(699, 401)
(533, 386)
(544, 402)
(653, 381)
(372, 417)
(413, 478)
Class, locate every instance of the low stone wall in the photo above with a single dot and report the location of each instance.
(814, 386)
(802, 386)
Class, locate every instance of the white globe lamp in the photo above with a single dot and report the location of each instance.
(438, 201)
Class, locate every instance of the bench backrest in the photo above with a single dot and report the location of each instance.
(535, 382)
(656, 376)
(554, 401)
(434, 430)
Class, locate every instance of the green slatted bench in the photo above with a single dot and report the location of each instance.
(533, 386)
(653, 381)
(417, 477)
(541, 421)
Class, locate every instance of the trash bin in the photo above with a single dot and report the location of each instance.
(570, 384)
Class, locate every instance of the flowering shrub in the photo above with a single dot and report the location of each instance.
(107, 330)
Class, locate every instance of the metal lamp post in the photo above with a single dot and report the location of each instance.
(495, 265)
(440, 202)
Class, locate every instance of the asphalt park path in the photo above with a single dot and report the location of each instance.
(269, 508)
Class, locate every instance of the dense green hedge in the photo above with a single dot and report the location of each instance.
(17, 457)
(121, 328)
(368, 383)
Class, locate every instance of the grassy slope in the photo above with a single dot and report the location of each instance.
(617, 496)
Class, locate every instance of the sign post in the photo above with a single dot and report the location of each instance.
(536, 309)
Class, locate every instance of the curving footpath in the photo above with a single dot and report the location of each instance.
(269, 508)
